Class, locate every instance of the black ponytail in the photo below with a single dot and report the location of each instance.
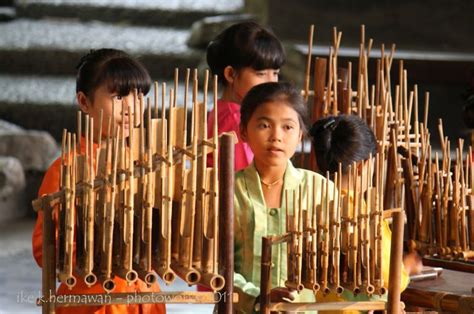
(341, 139)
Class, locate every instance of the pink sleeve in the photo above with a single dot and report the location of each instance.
(231, 122)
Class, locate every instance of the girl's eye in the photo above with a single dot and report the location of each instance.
(261, 73)
(263, 125)
(288, 127)
(118, 97)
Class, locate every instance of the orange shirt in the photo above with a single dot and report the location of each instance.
(49, 185)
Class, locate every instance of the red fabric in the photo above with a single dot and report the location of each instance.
(228, 119)
(49, 185)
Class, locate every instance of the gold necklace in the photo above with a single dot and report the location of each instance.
(270, 185)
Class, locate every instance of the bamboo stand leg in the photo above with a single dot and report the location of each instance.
(226, 218)
(396, 255)
(49, 258)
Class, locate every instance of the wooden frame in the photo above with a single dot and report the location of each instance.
(393, 305)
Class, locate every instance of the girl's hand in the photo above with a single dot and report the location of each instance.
(412, 263)
(282, 294)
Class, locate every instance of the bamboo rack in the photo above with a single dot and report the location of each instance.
(117, 202)
(334, 244)
(424, 182)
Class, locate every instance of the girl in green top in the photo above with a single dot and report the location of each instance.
(272, 123)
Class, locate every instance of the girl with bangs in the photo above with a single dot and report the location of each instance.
(272, 123)
(104, 76)
(242, 56)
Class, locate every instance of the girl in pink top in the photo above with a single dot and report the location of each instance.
(242, 56)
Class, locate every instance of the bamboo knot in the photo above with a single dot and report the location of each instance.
(190, 192)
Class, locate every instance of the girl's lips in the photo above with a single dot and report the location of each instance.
(275, 151)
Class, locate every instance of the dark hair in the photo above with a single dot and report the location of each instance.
(341, 139)
(273, 91)
(115, 68)
(245, 44)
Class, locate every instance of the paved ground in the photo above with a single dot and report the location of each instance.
(20, 277)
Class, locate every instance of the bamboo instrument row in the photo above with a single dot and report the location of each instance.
(441, 222)
(336, 238)
(141, 202)
(434, 189)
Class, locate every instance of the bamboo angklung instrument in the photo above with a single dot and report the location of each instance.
(209, 265)
(162, 264)
(116, 194)
(326, 239)
(66, 241)
(201, 130)
(183, 265)
(125, 269)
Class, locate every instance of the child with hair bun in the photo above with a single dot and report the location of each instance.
(242, 56)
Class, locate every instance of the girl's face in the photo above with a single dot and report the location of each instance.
(273, 133)
(111, 104)
(239, 82)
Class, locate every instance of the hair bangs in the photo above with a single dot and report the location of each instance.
(267, 54)
(123, 75)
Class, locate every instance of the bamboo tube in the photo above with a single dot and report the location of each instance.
(82, 200)
(184, 267)
(99, 140)
(349, 88)
(63, 203)
(346, 226)
(337, 230)
(315, 238)
(201, 127)
(412, 211)
(368, 282)
(427, 106)
(396, 253)
(379, 284)
(319, 81)
(210, 241)
(146, 272)
(329, 99)
(300, 237)
(89, 277)
(438, 217)
(126, 270)
(163, 265)
(79, 131)
(67, 244)
(325, 243)
(308, 63)
(471, 201)
(355, 240)
(290, 221)
(139, 248)
(103, 170)
(107, 283)
(156, 89)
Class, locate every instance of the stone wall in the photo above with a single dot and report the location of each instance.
(412, 24)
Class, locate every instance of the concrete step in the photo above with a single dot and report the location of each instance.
(175, 13)
(54, 47)
(48, 102)
(424, 66)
